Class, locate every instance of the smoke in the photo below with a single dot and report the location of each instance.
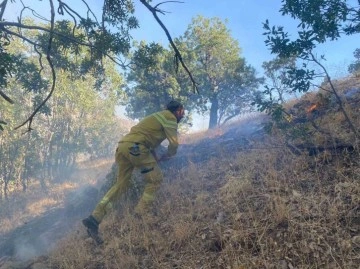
(40, 235)
(24, 250)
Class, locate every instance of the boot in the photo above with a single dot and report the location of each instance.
(92, 226)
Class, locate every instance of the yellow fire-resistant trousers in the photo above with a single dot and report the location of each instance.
(126, 163)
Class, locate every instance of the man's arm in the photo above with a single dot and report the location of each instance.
(171, 135)
(170, 128)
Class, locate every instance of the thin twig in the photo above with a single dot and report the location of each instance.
(339, 101)
(89, 10)
(37, 15)
(177, 52)
(167, 2)
(2, 8)
(74, 19)
(30, 42)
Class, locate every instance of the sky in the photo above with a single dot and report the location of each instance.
(244, 19)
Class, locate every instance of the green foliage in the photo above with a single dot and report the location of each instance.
(355, 67)
(147, 56)
(8, 62)
(324, 19)
(78, 45)
(320, 21)
(276, 72)
(28, 75)
(226, 81)
(299, 80)
(269, 106)
(152, 81)
(78, 120)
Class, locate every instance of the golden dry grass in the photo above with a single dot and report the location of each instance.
(260, 208)
(24, 206)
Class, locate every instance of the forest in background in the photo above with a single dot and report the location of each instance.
(60, 86)
(249, 195)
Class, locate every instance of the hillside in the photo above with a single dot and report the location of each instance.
(252, 195)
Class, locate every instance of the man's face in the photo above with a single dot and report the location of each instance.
(179, 114)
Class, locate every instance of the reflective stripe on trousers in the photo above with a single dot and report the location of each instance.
(126, 164)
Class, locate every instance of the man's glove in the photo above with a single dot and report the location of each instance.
(165, 157)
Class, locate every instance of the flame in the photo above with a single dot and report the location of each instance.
(312, 108)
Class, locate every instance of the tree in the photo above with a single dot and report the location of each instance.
(151, 81)
(320, 21)
(355, 67)
(276, 71)
(226, 82)
(106, 37)
(80, 120)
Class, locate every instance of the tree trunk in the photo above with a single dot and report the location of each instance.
(214, 113)
(6, 190)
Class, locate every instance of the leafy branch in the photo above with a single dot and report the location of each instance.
(108, 38)
(319, 22)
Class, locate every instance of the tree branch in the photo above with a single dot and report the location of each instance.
(339, 101)
(7, 98)
(37, 15)
(156, 7)
(178, 56)
(3, 24)
(48, 57)
(2, 8)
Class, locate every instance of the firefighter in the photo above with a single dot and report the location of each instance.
(137, 150)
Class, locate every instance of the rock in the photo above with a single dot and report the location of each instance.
(356, 240)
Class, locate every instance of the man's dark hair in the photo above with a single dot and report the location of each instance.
(174, 105)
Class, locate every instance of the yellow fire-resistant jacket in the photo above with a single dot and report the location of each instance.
(154, 129)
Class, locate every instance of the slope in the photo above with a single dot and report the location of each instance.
(257, 194)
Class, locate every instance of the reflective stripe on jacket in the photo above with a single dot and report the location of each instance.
(154, 129)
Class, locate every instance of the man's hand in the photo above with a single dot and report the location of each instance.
(153, 152)
(165, 157)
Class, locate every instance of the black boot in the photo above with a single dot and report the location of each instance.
(92, 226)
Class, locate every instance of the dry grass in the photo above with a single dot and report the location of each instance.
(260, 209)
(24, 206)
(265, 207)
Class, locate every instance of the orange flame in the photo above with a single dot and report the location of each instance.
(312, 108)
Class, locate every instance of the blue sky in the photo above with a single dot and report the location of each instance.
(244, 20)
